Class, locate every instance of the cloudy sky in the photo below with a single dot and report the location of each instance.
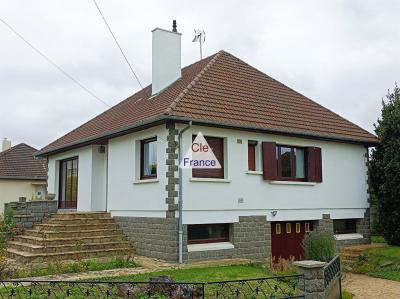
(342, 54)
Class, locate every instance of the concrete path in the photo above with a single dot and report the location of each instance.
(366, 287)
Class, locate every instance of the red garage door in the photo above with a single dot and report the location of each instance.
(287, 238)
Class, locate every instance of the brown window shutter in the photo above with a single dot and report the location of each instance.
(314, 164)
(318, 165)
(217, 146)
(269, 161)
(251, 156)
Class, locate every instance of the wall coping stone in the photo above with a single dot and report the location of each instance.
(309, 264)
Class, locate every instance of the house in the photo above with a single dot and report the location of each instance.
(289, 165)
(21, 174)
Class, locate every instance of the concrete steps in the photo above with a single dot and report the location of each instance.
(69, 236)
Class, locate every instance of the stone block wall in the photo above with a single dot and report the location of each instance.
(153, 237)
(158, 238)
(325, 225)
(362, 227)
(29, 213)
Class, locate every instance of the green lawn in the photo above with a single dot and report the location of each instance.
(346, 294)
(203, 274)
(380, 262)
(377, 239)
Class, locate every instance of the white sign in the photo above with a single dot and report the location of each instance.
(200, 155)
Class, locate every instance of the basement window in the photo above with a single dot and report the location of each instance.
(344, 226)
(208, 233)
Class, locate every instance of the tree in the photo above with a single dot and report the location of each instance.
(385, 167)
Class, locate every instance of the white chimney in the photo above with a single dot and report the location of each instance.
(6, 144)
(166, 58)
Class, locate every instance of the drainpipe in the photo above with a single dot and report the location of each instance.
(180, 201)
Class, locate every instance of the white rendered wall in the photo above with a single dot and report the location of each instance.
(84, 155)
(99, 179)
(127, 195)
(343, 192)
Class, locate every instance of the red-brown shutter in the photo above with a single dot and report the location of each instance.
(251, 156)
(314, 164)
(269, 160)
(217, 146)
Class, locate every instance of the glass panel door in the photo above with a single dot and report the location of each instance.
(68, 193)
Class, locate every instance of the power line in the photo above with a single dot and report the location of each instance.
(116, 41)
(53, 63)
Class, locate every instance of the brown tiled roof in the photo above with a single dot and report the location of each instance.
(18, 162)
(223, 90)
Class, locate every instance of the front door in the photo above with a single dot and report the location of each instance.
(68, 185)
(287, 237)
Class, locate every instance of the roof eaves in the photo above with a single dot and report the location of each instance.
(298, 133)
(108, 134)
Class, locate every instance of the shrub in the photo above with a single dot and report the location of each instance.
(319, 246)
(385, 167)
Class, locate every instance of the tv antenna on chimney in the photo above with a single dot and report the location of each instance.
(199, 36)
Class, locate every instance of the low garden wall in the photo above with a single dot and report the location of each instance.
(321, 280)
(29, 213)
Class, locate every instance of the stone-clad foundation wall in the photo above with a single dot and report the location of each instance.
(362, 227)
(158, 238)
(152, 237)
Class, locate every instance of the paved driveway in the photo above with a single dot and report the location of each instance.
(365, 287)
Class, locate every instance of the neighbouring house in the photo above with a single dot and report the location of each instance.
(289, 165)
(21, 174)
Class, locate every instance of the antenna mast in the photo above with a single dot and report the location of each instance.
(199, 36)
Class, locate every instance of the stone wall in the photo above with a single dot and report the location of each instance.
(158, 238)
(325, 225)
(153, 237)
(172, 171)
(29, 213)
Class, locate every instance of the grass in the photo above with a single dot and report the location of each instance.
(203, 274)
(377, 239)
(61, 267)
(379, 262)
(346, 294)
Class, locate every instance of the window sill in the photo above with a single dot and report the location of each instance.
(210, 246)
(292, 183)
(145, 181)
(254, 172)
(342, 237)
(210, 180)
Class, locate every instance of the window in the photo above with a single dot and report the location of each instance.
(291, 163)
(307, 227)
(298, 228)
(278, 228)
(208, 233)
(251, 155)
(217, 146)
(344, 226)
(288, 228)
(148, 158)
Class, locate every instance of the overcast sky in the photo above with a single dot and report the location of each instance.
(342, 54)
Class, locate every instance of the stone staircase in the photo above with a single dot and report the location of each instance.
(351, 254)
(70, 236)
